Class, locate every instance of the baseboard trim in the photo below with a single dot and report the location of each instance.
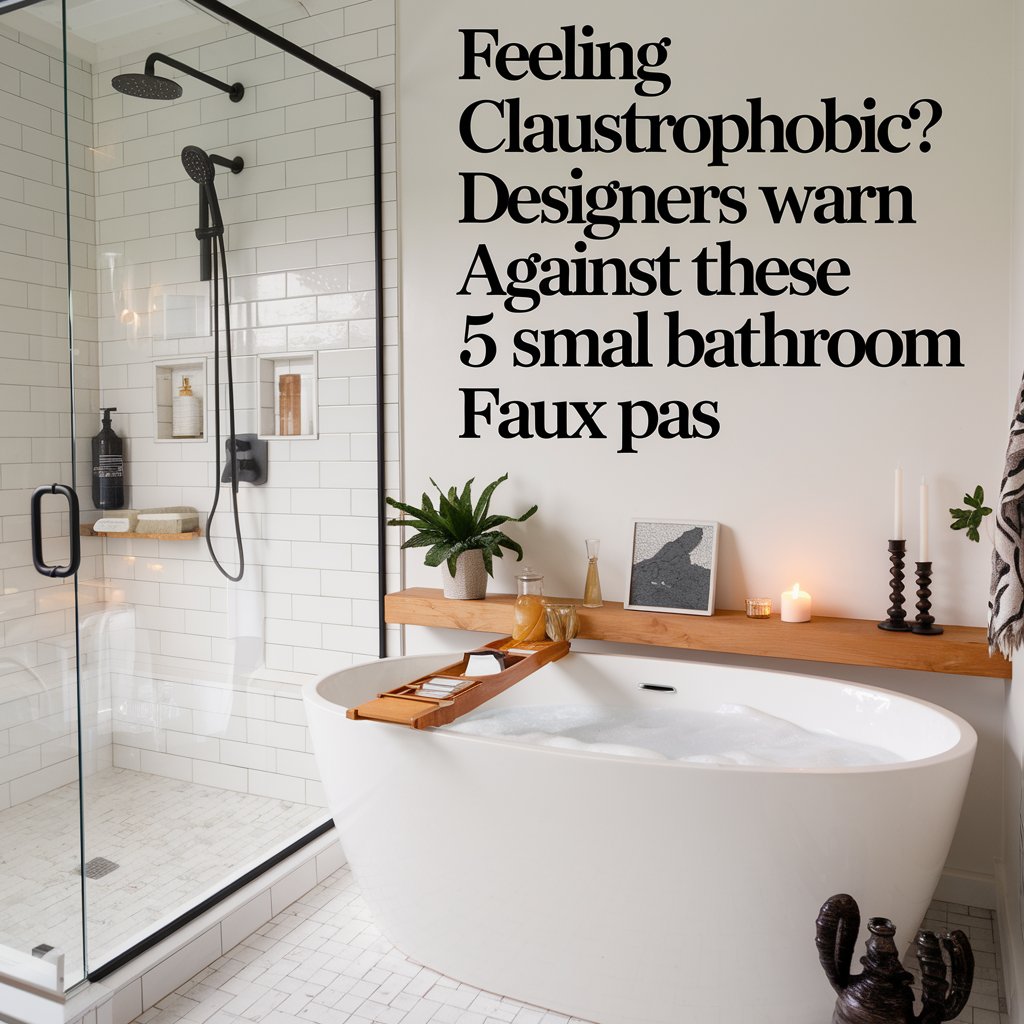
(1011, 944)
(968, 888)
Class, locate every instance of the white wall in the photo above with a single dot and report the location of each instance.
(800, 475)
(1012, 854)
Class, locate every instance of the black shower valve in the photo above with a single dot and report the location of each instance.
(252, 466)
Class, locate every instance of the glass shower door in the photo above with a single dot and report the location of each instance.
(41, 895)
(153, 744)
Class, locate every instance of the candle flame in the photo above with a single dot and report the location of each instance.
(796, 590)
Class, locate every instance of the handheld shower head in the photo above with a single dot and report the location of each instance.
(198, 165)
(146, 87)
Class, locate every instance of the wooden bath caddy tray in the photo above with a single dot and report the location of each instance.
(406, 705)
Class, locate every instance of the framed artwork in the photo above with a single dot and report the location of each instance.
(672, 566)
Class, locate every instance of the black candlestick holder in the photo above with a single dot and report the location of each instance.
(925, 622)
(895, 622)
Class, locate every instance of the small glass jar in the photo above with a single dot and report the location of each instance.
(561, 621)
(529, 613)
(290, 404)
(759, 607)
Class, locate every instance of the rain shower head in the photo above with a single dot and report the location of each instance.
(147, 87)
(151, 86)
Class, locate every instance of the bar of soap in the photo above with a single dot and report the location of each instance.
(122, 522)
(177, 519)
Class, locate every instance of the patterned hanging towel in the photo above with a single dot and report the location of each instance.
(1006, 597)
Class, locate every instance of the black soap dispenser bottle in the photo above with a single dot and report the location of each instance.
(107, 466)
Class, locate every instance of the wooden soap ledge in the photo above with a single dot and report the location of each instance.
(405, 705)
(961, 650)
(88, 531)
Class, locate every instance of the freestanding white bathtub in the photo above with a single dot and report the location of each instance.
(630, 890)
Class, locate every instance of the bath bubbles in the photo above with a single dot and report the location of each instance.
(730, 735)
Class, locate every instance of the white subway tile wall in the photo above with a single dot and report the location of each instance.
(215, 733)
(38, 700)
(300, 248)
(182, 674)
(185, 675)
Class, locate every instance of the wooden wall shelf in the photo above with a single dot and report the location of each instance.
(960, 650)
(88, 531)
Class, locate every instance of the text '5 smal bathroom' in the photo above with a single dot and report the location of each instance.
(511, 513)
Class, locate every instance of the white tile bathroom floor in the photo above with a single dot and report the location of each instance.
(322, 960)
(987, 1002)
(173, 842)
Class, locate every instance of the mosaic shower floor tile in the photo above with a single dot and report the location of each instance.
(171, 842)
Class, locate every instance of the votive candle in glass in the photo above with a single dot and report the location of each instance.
(759, 607)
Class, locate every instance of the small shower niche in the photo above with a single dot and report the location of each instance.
(168, 380)
(286, 396)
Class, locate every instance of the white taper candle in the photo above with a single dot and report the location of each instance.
(924, 521)
(897, 509)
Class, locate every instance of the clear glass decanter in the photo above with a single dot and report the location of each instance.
(592, 588)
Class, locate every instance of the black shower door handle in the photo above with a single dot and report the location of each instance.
(56, 571)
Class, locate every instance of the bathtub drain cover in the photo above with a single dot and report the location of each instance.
(99, 866)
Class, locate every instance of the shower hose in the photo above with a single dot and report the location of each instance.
(232, 455)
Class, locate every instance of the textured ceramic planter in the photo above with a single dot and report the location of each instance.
(470, 580)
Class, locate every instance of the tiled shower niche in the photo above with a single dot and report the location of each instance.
(168, 380)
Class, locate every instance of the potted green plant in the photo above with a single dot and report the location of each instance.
(463, 536)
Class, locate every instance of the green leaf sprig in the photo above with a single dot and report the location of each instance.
(970, 518)
(456, 525)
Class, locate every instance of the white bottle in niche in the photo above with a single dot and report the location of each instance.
(186, 412)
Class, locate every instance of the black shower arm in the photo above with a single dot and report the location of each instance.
(234, 164)
(235, 91)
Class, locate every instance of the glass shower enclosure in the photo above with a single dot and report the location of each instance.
(153, 745)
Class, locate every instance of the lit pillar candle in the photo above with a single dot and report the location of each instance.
(796, 605)
(897, 508)
(924, 522)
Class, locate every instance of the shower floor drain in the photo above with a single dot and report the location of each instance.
(99, 866)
